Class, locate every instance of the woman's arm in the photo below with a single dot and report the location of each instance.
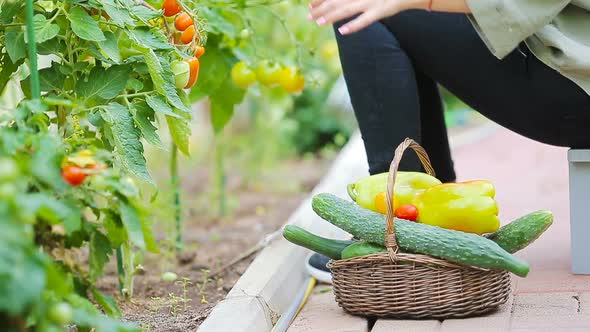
(330, 11)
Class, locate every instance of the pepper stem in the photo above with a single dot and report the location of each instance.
(351, 189)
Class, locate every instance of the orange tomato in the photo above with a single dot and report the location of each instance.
(183, 21)
(171, 8)
(187, 35)
(199, 50)
(194, 72)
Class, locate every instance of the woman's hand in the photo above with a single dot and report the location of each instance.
(330, 11)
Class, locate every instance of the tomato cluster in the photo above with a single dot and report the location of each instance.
(79, 166)
(186, 72)
(268, 73)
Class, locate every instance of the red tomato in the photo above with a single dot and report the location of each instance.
(194, 73)
(73, 175)
(171, 8)
(183, 21)
(407, 212)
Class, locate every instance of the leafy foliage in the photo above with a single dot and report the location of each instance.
(32, 216)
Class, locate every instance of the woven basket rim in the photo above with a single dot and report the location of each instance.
(415, 259)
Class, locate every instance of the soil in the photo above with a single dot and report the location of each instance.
(211, 242)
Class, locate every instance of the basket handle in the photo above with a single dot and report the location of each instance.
(390, 240)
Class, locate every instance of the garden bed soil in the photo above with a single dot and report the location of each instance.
(211, 242)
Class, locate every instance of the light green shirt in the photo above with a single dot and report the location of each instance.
(556, 31)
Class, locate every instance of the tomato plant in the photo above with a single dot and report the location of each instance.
(112, 74)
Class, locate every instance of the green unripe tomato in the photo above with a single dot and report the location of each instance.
(99, 183)
(245, 33)
(181, 70)
(169, 276)
(8, 170)
(242, 75)
(61, 313)
(268, 73)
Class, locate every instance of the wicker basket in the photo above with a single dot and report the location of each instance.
(396, 284)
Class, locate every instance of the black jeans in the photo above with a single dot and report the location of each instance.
(392, 69)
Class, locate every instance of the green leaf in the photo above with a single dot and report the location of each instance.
(132, 224)
(51, 78)
(125, 136)
(217, 23)
(223, 102)
(145, 14)
(148, 233)
(115, 230)
(149, 39)
(119, 16)
(51, 46)
(99, 252)
(104, 83)
(44, 30)
(109, 47)
(143, 116)
(15, 43)
(158, 104)
(8, 9)
(22, 273)
(8, 69)
(51, 210)
(215, 68)
(88, 317)
(134, 84)
(108, 304)
(163, 77)
(180, 131)
(45, 163)
(84, 26)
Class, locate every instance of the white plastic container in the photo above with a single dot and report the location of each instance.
(579, 174)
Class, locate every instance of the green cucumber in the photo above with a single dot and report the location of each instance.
(522, 231)
(327, 247)
(453, 246)
(361, 249)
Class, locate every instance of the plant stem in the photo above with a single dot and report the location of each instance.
(176, 188)
(32, 47)
(120, 270)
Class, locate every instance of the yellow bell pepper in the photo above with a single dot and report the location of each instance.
(467, 206)
(369, 192)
